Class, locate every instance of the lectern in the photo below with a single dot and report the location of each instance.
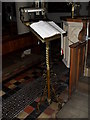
(46, 32)
(47, 36)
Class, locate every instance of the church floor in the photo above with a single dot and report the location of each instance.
(76, 107)
(20, 94)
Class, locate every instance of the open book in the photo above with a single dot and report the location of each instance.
(46, 29)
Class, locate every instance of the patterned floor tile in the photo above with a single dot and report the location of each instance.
(31, 79)
(26, 81)
(30, 75)
(49, 111)
(21, 80)
(22, 115)
(64, 95)
(17, 83)
(7, 84)
(36, 111)
(5, 96)
(34, 72)
(11, 92)
(43, 115)
(54, 106)
(29, 109)
(34, 104)
(35, 77)
(2, 93)
(64, 78)
(13, 81)
(20, 77)
(26, 77)
(5, 89)
(17, 89)
(12, 86)
(42, 107)
(15, 118)
(37, 100)
(33, 115)
(54, 115)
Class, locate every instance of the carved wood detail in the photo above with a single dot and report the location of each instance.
(82, 33)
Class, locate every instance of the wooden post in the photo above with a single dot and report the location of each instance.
(73, 70)
(78, 68)
(77, 56)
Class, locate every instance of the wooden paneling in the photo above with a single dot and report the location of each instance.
(89, 46)
(20, 42)
(77, 51)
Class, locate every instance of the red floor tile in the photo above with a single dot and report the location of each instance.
(29, 109)
(49, 111)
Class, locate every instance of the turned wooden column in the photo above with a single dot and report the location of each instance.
(82, 33)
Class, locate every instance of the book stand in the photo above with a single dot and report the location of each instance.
(48, 86)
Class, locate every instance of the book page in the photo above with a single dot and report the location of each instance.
(57, 27)
(46, 29)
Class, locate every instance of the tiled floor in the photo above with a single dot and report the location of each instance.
(14, 86)
(45, 110)
(30, 111)
(52, 110)
(10, 86)
(76, 107)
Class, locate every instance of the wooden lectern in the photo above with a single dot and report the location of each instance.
(46, 32)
